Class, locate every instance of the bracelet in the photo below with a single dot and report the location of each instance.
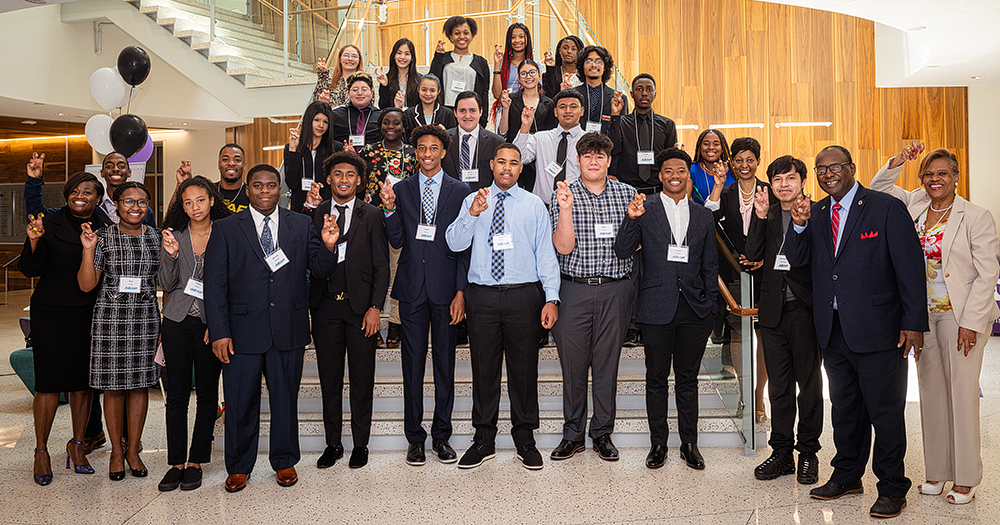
(388, 210)
(498, 72)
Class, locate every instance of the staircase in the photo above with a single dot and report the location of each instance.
(241, 48)
(715, 426)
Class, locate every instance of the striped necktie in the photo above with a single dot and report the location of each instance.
(466, 153)
(835, 223)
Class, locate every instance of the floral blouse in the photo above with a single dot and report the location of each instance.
(930, 240)
(380, 161)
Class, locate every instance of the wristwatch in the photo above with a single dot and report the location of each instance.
(555, 302)
(377, 307)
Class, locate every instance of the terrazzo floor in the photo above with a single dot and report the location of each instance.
(584, 489)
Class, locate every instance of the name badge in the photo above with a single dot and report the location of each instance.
(604, 231)
(426, 232)
(307, 184)
(781, 263)
(341, 252)
(129, 284)
(194, 289)
(593, 127)
(358, 141)
(553, 168)
(645, 157)
(276, 260)
(677, 253)
(470, 175)
(503, 241)
(457, 86)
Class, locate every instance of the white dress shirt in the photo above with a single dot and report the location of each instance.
(542, 148)
(678, 215)
(347, 218)
(258, 222)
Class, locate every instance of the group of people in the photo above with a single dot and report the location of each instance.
(615, 228)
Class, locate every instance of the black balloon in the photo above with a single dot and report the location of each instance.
(133, 65)
(128, 135)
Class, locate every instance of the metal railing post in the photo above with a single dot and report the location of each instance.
(211, 21)
(284, 24)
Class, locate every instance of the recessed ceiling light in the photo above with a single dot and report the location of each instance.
(39, 104)
(184, 123)
(933, 66)
(170, 123)
(977, 77)
(29, 122)
(60, 114)
(918, 28)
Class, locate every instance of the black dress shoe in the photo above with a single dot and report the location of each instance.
(690, 453)
(605, 448)
(171, 480)
(330, 456)
(359, 457)
(566, 449)
(191, 479)
(444, 452)
(632, 338)
(476, 455)
(415, 454)
(774, 467)
(834, 490)
(808, 471)
(887, 507)
(530, 457)
(657, 454)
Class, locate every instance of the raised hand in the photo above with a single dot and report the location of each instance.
(321, 64)
(498, 55)
(324, 96)
(479, 204)
(908, 153)
(564, 196)
(387, 194)
(566, 84)
(505, 99)
(761, 202)
(440, 47)
(293, 139)
(183, 172)
(681, 146)
(35, 228)
(550, 59)
(330, 232)
(87, 237)
(802, 209)
(637, 207)
(399, 100)
(170, 243)
(35, 165)
(380, 76)
(313, 198)
(527, 117)
(617, 103)
(720, 173)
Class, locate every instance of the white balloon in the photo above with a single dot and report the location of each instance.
(98, 130)
(107, 88)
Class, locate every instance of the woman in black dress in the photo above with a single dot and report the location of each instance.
(61, 316)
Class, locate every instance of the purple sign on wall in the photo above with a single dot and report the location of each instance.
(996, 295)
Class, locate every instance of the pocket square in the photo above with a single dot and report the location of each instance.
(869, 235)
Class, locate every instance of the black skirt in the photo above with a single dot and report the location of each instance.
(60, 338)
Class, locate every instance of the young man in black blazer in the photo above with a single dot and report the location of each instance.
(595, 67)
(345, 306)
(472, 146)
(677, 295)
(791, 355)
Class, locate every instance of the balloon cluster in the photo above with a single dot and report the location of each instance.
(115, 87)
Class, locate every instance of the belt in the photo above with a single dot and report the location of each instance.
(792, 305)
(503, 287)
(595, 281)
(336, 296)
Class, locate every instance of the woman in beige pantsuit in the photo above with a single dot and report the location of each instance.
(960, 247)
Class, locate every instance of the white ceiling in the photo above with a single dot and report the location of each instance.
(14, 5)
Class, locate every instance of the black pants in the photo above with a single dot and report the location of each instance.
(792, 358)
(683, 341)
(183, 347)
(336, 332)
(415, 318)
(867, 389)
(504, 322)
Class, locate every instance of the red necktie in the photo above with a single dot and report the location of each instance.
(835, 223)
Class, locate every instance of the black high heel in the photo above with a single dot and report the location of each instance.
(44, 479)
(116, 476)
(79, 469)
(136, 472)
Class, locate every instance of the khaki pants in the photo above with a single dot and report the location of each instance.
(949, 403)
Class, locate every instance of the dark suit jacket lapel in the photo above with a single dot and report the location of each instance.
(446, 189)
(659, 215)
(774, 224)
(858, 207)
(357, 222)
(284, 228)
(250, 230)
(823, 222)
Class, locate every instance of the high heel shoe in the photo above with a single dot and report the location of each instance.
(136, 472)
(44, 479)
(957, 498)
(79, 469)
(931, 489)
(761, 415)
(115, 476)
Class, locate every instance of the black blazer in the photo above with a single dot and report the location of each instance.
(551, 80)
(486, 145)
(56, 260)
(367, 259)
(606, 108)
(878, 274)
(545, 116)
(662, 282)
(427, 263)
(414, 116)
(344, 119)
(763, 242)
(728, 214)
(247, 302)
(387, 96)
(483, 78)
(296, 164)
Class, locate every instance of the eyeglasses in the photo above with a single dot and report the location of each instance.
(142, 203)
(834, 168)
(351, 57)
(593, 62)
(528, 74)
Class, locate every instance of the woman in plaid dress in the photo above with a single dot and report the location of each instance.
(126, 320)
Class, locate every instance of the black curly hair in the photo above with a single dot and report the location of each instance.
(178, 219)
(609, 63)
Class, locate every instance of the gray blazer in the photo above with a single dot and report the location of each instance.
(173, 276)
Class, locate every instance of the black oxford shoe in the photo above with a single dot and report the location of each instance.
(330, 456)
(657, 455)
(415, 455)
(834, 490)
(605, 448)
(888, 507)
(567, 449)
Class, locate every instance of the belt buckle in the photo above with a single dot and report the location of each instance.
(593, 281)
(340, 296)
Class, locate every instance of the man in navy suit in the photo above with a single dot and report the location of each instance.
(869, 308)
(430, 286)
(677, 295)
(257, 307)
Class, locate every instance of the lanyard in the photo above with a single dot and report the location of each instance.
(638, 145)
(674, 227)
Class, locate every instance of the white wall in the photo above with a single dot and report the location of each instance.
(984, 138)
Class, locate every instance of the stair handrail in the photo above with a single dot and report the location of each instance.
(736, 308)
(481, 14)
(340, 32)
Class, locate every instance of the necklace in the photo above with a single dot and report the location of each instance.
(746, 194)
(933, 209)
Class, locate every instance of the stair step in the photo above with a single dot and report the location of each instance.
(203, 10)
(158, 12)
(282, 81)
(210, 49)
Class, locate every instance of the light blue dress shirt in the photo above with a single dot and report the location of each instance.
(845, 209)
(533, 257)
(438, 178)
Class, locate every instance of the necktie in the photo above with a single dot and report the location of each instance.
(266, 240)
(835, 223)
(341, 220)
(561, 158)
(595, 103)
(643, 130)
(496, 227)
(466, 153)
(359, 127)
(427, 202)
